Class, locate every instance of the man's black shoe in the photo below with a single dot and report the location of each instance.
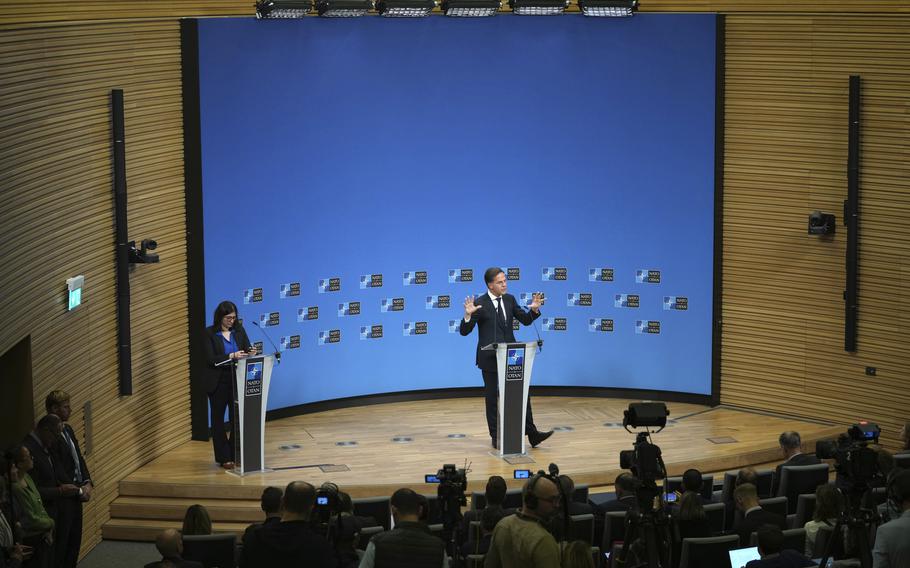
(536, 438)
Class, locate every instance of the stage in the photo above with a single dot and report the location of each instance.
(373, 450)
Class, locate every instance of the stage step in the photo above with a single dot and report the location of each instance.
(146, 530)
(220, 510)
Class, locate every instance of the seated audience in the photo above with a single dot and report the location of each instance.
(292, 542)
(270, 503)
(197, 521)
(557, 523)
(625, 486)
(691, 481)
(746, 498)
(773, 554)
(520, 540)
(577, 554)
(892, 540)
(791, 447)
(36, 525)
(410, 543)
(495, 494)
(829, 504)
(690, 517)
(489, 516)
(170, 544)
(346, 526)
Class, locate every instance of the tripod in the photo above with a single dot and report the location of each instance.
(859, 521)
(649, 527)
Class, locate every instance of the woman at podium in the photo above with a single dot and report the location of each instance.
(225, 342)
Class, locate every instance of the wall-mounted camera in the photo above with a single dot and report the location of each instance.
(821, 223)
(142, 254)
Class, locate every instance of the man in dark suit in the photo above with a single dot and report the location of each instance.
(791, 446)
(754, 517)
(69, 456)
(170, 544)
(493, 314)
(773, 554)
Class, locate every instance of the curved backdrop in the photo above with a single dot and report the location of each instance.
(360, 175)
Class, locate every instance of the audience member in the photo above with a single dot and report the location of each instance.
(410, 543)
(36, 524)
(625, 486)
(691, 481)
(829, 504)
(169, 543)
(522, 540)
(746, 498)
(577, 554)
(746, 475)
(495, 495)
(197, 521)
(69, 456)
(292, 542)
(489, 516)
(791, 447)
(557, 523)
(691, 520)
(773, 554)
(892, 540)
(347, 527)
(12, 553)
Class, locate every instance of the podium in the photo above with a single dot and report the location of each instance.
(251, 394)
(514, 362)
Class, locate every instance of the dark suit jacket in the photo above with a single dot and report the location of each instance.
(753, 521)
(66, 456)
(615, 505)
(214, 353)
(492, 329)
(47, 473)
(786, 559)
(798, 459)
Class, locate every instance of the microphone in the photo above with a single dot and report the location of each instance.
(277, 351)
(554, 470)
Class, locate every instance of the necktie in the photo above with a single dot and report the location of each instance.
(499, 312)
(72, 448)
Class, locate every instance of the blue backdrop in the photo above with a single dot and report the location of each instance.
(344, 149)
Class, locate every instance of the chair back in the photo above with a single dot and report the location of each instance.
(474, 534)
(434, 513)
(379, 508)
(212, 550)
(582, 527)
(716, 513)
(366, 533)
(778, 505)
(614, 529)
(797, 479)
(822, 537)
(794, 539)
(512, 500)
(764, 483)
(475, 560)
(902, 460)
(712, 551)
(580, 495)
(805, 508)
(672, 484)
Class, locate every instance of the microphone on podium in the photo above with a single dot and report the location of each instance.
(277, 351)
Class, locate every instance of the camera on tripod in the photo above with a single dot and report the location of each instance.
(853, 458)
(644, 459)
(328, 504)
(453, 482)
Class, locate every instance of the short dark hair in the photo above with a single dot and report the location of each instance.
(746, 475)
(626, 482)
(50, 422)
(299, 498)
(223, 309)
(55, 398)
(270, 502)
(789, 440)
(495, 491)
(489, 517)
(491, 273)
(407, 501)
(770, 539)
(691, 480)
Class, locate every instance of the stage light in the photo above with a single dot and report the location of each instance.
(821, 223)
(343, 8)
(282, 9)
(538, 7)
(645, 414)
(608, 8)
(470, 8)
(405, 8)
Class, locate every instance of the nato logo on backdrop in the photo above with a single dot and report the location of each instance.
(289, 290)
(461, 275)
(329, 284)
(647, 276)
(525, 299)
(251, 295)
(348, 309)
(414, 277)
(600, 275)
(289, 342)
(647, 326)
(455, 326)
(625, 301)
(309, 313)
(554, 324)
(579, 299)
(676, 303)
(513, 273)
(391, 305)
(414, 328)
(600, 325)
(370, 281)
(269, 319)
(442, 301)
(554, 273)
(329, 336)
(371, 332)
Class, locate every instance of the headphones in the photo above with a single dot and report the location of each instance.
(530, 498)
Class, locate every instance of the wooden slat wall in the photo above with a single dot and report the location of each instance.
(57, 222)
(786, 152)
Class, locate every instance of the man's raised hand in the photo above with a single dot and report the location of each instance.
(470, 307)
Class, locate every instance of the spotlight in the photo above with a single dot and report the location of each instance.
(821, 223)
(538, 7)
(645, 414)
(343, 8)
(282, 9)
(405, 8)
(608, 8)
(470, 8)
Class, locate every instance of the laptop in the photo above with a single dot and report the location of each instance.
(741, 556)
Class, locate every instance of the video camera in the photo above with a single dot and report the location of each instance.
(328, 504)
(644, 459)
(453, 482)
(854, 459)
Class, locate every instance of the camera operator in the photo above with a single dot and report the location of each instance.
(892, 540)
(410, 543)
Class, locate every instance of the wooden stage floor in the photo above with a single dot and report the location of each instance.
(711, 439)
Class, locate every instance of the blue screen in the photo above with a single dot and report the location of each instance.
(360, 175)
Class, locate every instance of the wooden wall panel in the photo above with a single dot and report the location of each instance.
(57, 220)
(786, 155)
